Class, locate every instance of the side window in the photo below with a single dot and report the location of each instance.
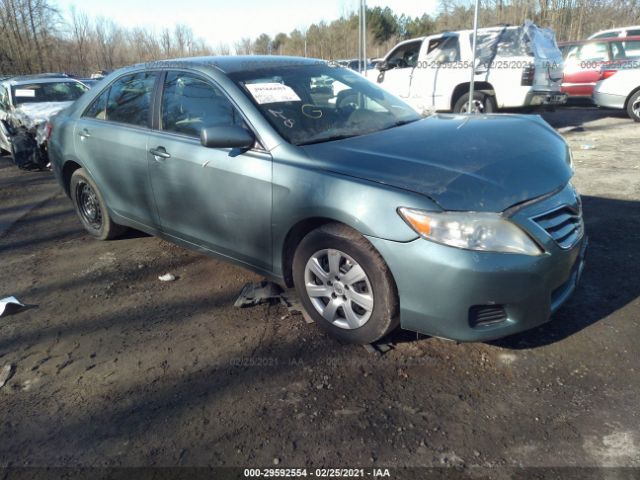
(405, 56)
(445, 50)
(4, 98)
(594, 52)
(632, 48)
(190, 104)
(130, 99)
(633, 33)
(98, 109)
(608, 35)
(617, 51)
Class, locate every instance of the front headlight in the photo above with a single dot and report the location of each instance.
(487, 232)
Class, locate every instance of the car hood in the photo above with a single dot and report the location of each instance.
(472, 163)
(32, 114)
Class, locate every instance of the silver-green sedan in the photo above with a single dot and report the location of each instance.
(463, 227)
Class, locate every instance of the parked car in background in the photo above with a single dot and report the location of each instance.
(377, 216)
(617, 32)
(26, 103)
(515, 67)
(620, 89)
(585, 60)
(89, 82)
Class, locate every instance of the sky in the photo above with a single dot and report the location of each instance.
(226, 21)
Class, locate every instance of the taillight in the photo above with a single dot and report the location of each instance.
(604, 74)
(49, 130)
(527, 75)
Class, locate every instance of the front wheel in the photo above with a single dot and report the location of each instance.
(345, 285)
(91, 208)
(481, 103)
(633, 106)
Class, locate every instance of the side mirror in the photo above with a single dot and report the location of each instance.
(383, 66)
(227, 137)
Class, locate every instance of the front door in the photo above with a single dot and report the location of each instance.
(218, 199)
(400, 64)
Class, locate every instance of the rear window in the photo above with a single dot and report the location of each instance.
(47, 92)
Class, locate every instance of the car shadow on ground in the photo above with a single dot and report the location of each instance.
(609, 282)
(578, 116)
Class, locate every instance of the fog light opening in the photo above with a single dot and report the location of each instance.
(485, 315)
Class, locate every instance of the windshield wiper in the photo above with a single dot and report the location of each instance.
(326, 139)
(399, 123)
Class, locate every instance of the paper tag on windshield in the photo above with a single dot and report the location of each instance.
(272, 93)
(25, 93)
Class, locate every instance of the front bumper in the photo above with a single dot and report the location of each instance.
(609, 100)
(545, 98)
(440, 287)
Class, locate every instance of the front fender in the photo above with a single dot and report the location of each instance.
(301, 192)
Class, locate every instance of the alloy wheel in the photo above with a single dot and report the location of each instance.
(635, 107)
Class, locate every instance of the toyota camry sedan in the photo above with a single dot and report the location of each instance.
(456, 226)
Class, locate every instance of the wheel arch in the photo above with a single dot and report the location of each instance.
(68, 168)
(464, 88)
(628, 99)
(293, 238)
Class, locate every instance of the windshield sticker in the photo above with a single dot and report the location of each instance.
(272, 93)
(25, 93)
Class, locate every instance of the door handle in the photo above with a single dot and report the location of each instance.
(159, 152)
(84, 133)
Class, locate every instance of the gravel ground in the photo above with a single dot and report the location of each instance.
(111, 367)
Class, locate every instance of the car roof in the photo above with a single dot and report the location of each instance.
(232, 64)
(599, 40)
(30, 79)
(618, 29)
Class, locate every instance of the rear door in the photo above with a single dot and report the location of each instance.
(111, 142)
(438, 72)
(215, 198)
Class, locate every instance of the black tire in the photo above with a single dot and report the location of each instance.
(485, 103)
(633, 107)
(91, 207)
(384, 316)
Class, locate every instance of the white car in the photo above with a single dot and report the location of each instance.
(633, 49)
(617, 32)
(620, 89)
(515, 67)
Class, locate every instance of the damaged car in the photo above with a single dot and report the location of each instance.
(26, 105)
(458, 226)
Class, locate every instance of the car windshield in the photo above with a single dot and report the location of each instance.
(319, 103)
(47, 92)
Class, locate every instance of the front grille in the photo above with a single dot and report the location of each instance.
(564, 225)
(480, 315)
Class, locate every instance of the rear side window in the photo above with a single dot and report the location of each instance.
(633, 33)
(190, 104)
(98, 108)
(130, 99)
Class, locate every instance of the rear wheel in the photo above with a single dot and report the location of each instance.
(633, 106)
(91, 208)
(481, 103)
(345, 285)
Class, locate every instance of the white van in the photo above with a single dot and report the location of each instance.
(515, 67)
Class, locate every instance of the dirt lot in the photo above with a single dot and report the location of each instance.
(113, 367)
